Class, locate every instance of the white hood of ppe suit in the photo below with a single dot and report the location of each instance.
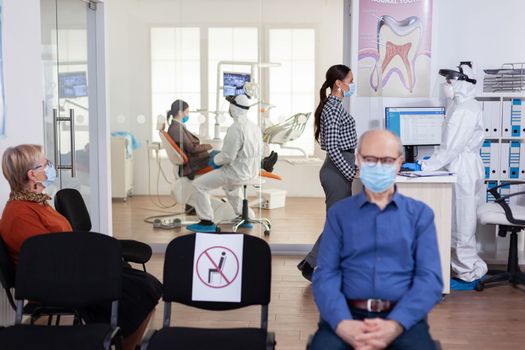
(237, 112)
(462, 137)
(464, 90)
(241, 152)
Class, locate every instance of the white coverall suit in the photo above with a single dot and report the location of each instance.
(240, 158)
(461, 141)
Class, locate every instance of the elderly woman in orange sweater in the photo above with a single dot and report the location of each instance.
(27, 214)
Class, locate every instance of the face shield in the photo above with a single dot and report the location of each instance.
(460, 82)
(461, 74)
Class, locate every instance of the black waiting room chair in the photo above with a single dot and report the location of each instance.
(178, 276)
(510, 218)
(70, 204)
(7, 279)
(68, 270)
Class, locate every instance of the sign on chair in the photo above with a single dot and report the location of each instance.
(217, 267)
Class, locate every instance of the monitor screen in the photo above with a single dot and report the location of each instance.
(72, 84)
(416, 126)
(234, 83)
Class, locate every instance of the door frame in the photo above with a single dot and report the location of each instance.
(99, 127)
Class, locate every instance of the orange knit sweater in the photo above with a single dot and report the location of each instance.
(23, 219)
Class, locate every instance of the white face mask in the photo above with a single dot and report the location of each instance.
(448, 90)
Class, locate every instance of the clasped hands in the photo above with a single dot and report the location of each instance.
(370, 334)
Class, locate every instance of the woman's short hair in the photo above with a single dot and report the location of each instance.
(17, 161)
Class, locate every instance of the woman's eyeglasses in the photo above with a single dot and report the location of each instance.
(47, 163)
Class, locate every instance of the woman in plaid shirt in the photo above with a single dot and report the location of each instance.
(335, 132)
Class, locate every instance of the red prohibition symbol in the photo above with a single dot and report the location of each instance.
(205, 258)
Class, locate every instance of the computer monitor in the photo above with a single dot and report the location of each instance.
(234, 83)
(72, 84)
(415, 126)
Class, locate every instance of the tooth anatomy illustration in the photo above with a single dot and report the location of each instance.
(397, 45)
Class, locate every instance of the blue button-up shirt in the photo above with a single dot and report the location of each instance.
(369, 253)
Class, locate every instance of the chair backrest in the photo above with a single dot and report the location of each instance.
(69, 269)
(69, 203)
(175, 154)
(288, 130)
(256, 274)
(7, 272)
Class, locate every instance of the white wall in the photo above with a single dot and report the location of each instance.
(486, 32)
(22, 78)
(129, 22)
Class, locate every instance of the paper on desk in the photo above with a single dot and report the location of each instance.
(425, 173)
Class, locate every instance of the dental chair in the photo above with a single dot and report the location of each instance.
(182, 188)
(287, 131)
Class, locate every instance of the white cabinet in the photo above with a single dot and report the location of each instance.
(121, 168)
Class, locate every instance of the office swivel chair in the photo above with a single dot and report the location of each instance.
(177, 287)
(70, 204)
(510, 219)
(60, 269)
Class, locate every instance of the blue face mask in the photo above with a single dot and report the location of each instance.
(350, 91)
(51, 175)
(185, 118)
(378, 178)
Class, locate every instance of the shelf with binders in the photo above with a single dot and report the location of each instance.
(503, 156)
(503, 151)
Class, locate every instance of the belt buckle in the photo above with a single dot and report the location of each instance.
(375, 305)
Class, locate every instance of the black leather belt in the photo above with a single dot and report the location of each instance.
(372, 305)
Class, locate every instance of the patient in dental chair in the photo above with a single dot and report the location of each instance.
(198, 154)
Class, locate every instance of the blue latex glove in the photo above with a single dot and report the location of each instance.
(412, 166)
(212, 157)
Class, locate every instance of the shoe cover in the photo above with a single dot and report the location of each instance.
(202, 228)
(246, 225)
(457, 284)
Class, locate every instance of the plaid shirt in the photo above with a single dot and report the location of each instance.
(338, 134)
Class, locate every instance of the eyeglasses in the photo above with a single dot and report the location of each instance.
(372, 160)
(47, 163)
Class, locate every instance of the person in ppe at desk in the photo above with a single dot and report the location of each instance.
(461, 141)
(238, 161)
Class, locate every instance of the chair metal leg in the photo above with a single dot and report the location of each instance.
(520, 278)
(513, 274)
(237, 225)
(498, 278)
(57, 322)
(144, 267)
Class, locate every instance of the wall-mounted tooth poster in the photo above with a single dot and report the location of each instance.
(394, 39)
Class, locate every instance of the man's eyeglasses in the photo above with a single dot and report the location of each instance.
(47, 163)
(372, 161)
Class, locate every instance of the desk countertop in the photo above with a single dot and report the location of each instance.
(428, 179)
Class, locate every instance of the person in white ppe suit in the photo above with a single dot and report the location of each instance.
(459, 152)
(239, 160)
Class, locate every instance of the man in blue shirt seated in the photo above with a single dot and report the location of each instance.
(378, 271)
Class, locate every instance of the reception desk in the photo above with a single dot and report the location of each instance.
(436, 192)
